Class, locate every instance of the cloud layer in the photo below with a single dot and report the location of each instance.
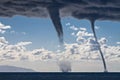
(55, 9)
(85, 48)
(99, 9)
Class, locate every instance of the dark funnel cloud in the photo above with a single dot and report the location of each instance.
(55, 9)
(55, 17)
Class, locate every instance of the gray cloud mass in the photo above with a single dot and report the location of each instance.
(99, 9)
(81, 9)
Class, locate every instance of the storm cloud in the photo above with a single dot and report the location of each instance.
(55, 9)
(99, 9)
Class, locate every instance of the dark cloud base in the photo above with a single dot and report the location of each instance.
(98, 9)
(81, 9)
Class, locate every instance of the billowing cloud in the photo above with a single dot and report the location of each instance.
(12, 52)
(3, 40)
(85, 48)
(3, 28)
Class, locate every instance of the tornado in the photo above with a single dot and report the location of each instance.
(55, 17)
(64, 66)
(99, 48)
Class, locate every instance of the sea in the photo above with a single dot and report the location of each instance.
(59, 76)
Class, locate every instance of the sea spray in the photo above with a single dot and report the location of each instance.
(64, 65)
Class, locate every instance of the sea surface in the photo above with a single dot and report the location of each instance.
(59, 76)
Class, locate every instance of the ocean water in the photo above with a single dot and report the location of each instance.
(59, 76)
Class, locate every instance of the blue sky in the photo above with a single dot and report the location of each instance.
(41, 32)
(22, 31)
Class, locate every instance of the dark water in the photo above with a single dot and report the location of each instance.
(59, 76)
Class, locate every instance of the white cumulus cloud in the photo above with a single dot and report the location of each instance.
(85, 48)
(3, 28)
